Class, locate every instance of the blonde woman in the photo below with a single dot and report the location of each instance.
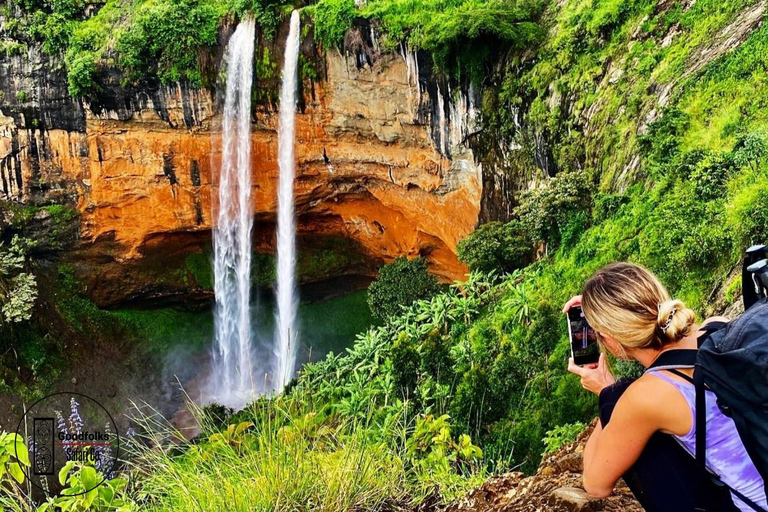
(647, 426)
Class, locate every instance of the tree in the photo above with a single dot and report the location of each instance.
(548, 212)
(18, 289)
(400, 283)
(496, 246)
(750, 149)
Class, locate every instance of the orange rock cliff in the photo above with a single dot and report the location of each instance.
(381, 163)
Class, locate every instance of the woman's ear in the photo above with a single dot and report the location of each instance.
(613, 346)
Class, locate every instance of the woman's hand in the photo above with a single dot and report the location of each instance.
(594, 377)
(575, 301)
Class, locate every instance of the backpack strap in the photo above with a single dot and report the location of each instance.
(677, 358)
(701, 429)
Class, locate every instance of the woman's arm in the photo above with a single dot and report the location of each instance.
(610, 451)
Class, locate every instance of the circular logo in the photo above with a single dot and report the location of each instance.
(66, 432)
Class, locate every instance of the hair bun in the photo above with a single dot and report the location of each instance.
(674, 320)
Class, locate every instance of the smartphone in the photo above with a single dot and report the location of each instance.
(584, 347)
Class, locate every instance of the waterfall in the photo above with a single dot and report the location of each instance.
(287, 335)
(232, 367)
(443, 140)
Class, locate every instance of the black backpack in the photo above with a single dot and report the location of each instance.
(732, 361)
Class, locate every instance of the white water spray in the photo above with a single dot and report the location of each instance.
(287, 300)
(232, 380)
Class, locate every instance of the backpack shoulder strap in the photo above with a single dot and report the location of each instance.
(677, 358)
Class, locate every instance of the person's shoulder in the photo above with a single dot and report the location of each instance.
(648, 392)
(643, 404)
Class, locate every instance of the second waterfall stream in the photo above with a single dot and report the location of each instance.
(287, 335)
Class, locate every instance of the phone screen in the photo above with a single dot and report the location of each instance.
(584, 347)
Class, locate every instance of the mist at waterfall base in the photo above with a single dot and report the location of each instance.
(245, 363)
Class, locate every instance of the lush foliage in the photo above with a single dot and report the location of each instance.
(496, 246)
(332, 20)
(560, 435)
(460, 34)
(292, 453)
(399, 284)
(14, 457)
(18, 289)
(145, 40)
(472, 379)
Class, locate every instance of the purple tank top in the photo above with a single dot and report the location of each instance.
(726, 455)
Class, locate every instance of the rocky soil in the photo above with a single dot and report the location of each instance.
(556, 487)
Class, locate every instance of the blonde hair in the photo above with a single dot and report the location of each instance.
(630, 304)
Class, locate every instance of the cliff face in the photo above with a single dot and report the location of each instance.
(380, 163)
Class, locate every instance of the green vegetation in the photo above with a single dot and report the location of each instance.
(13, 455)
(399, 284)
(496, 246)
(283, 454)
(461, 35)
(200, 266)
(82, 489)
(461, 382)
(561, 435)
(332, 20)
(158, 330)
(18, 289)
(145, 40)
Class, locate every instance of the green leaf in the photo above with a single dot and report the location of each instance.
(89, 477)
(65, 471)
(90, 496)
(118, 483)
(107, 493)
(14, 469)
(242, 426)
(21, 452)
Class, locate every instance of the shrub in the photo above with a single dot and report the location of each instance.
(496, 246)
(82, 74)
(265, 12)
(400, 284)
(546, 212)
(750, 149)
(166, 36)
(18, 289)
(561, 435)
(436, 360)
(711, 174)
(607, 205)
(405, 366)
(748, 214)
(332, 20)
(466, 34)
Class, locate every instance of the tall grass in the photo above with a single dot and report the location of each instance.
(288, 458)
